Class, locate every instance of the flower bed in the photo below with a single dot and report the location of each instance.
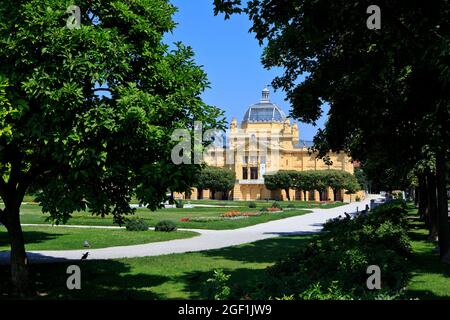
(271, 209)
(201, 219)
(235, 213)
(236, 218)
(229, 215)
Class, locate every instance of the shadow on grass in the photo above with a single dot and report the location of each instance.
(425, 266)
(264, 251)
(99, 280)
(115, 279)
(243, 280)
(29, 236)
(432, 272)
(292, 233)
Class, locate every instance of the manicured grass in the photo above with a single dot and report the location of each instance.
(430, 278)
(243, 203)
(31, 214)
(176, 276)
(61, 238)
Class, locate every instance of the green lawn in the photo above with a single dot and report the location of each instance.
(430, 278)
(176, 276)
(259, 203)
(31, 214)
(60, 238)
(183, 276)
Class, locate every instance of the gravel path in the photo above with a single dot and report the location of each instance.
(207, 240)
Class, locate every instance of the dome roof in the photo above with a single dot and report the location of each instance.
(264, 111)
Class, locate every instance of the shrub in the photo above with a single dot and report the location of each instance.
(334, 265)
(264, 209)
(166, 226)
(336, 223)
(252, 205)
(217, 286)
(316, 292)
(179, 204)
(357, 198)
(291, 297)
(137, 224)
(291, 205)
(394, 211)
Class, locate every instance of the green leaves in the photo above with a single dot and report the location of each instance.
(383, 87)
(6, 111)
(89, 112)
(280, 180)
(312, 180)
(215, 179)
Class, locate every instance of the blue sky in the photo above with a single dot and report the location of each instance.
(230, 56)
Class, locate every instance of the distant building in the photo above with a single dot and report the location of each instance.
(265, 143)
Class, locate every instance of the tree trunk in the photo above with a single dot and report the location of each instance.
(441, 174)
(335, 194)
(287, 194)
(442, 206)
(422, 197)
(20, 274)
(416, 196)
(431, 212)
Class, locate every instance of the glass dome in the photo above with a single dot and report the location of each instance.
(264, 111)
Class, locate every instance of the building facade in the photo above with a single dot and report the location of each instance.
(265, 142)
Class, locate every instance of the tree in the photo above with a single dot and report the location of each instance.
(87, 113)
(319, 182)
(216, 180)
(279, 180)
(351, 185)
(341, 180)
(302, 181)
(362, 178)
(388, 89)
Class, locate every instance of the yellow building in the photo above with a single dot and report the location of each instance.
(265, 142)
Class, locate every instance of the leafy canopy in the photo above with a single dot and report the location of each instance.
(312, 180)
(86, 114)
(215, 179)
(384, 87)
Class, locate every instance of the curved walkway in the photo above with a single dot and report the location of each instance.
(207, 240)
